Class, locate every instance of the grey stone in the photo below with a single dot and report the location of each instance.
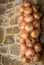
(0, 58)
(4, 1)
(1, 21)
(6, 60)
(1, 35)
(11, 0)
(10, 5)
(2, 10)
(14, 49)
(3, 49)
(16, 62)
(9, 39)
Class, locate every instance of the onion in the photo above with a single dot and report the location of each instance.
(25, 60)
(36, 58)
(28, 18)
(30, 52)
(38, 47)
(34, 34)
(35, 8)
(29, 27)
(28, 10)
(37, 15)
(22, 9)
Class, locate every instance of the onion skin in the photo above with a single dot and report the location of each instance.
(34, 34)
(25, 60)
(30, 53)
(35, 8)
(37, 15)
(36, 24)
(29, 27)
(28, 19)
(21, 17)
(28, 10)
(27, 4)
(22, 9)
(23, 48)
(30, 43)
(38, 47)
(36, 58)
(24, 34)
(23, 24)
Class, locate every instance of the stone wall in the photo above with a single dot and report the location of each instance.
(9, 32)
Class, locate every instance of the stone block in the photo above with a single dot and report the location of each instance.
(1, 21)
(4, 21)
(6, 60)
(2, 9)
(13, 20)
(0, 64)
(4, 1)
(10, 12)
(17, 38)
(17, 7)
(0, 58)
(15, 30)
(9, 39)
(3, 49)
(11, 0)
(16, 62)
(1, 35)
(10, 5)
(14, 49)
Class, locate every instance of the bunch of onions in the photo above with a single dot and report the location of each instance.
(29, 19)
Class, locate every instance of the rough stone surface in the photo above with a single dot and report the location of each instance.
(14, 49)
(16, 62)
(1, 35)
(13, 20)
(14, 30)
(2, 9)
(0, 58)
(9, 39)
(3, 49)
(8, 61)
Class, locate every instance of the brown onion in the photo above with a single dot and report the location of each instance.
(34, 34)
(21, 40)
(28, 10)
(37, 40)
(21, 17)
(29, 27)
(25, 60)
(38, 47)
(36, 58)
(37, 15)
(35, 8)
(22, 9)
(30, 53)
(36, 23)
(23, 24)
(28, 18)
(27, 4)
(24, 34)
(30, 42)
(23, 48)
